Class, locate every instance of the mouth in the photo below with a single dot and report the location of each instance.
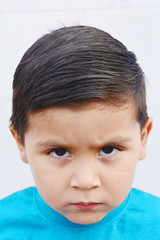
(86, 205)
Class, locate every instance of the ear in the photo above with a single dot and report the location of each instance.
(20, 145)
(144, 137)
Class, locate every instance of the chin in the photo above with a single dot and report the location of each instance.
(86, 219)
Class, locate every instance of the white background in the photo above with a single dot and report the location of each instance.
(134, 22)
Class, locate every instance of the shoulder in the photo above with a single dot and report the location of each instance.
(19, 215)
(141, 195)
(22, 194)
(17, 201)
(145, 204)
(140, 219)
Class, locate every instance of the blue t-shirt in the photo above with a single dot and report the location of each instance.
(25, 216)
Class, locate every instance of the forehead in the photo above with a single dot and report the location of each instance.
(90, 126)
(82, 113)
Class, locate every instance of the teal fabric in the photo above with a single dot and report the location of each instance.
(25, 216)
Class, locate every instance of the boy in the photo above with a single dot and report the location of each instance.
(80, 120)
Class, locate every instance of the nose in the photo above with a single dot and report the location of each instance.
(85, 177)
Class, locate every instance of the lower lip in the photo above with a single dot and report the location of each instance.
(86, 206)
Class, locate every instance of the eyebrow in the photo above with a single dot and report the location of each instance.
(118, 141)
(58, 143)
(49, 144)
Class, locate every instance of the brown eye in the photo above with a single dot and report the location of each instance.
(108, 150)
(59, 152)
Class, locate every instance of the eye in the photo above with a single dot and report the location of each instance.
(59, 152)
(108, 150)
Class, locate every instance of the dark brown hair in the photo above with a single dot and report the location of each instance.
(74, 65)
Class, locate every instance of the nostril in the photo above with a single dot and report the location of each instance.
(85, 183)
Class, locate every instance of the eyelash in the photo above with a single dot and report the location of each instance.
(113, 148)
(54, 149)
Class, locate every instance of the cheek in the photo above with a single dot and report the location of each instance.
(119, 180)
(52, 186)
(48, 175)
(49, 178)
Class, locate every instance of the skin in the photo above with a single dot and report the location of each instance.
(100, 146)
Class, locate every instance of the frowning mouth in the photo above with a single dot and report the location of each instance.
(86, 205)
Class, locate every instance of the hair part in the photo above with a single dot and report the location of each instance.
(74, 65)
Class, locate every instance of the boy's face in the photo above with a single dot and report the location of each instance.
(83, 160)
